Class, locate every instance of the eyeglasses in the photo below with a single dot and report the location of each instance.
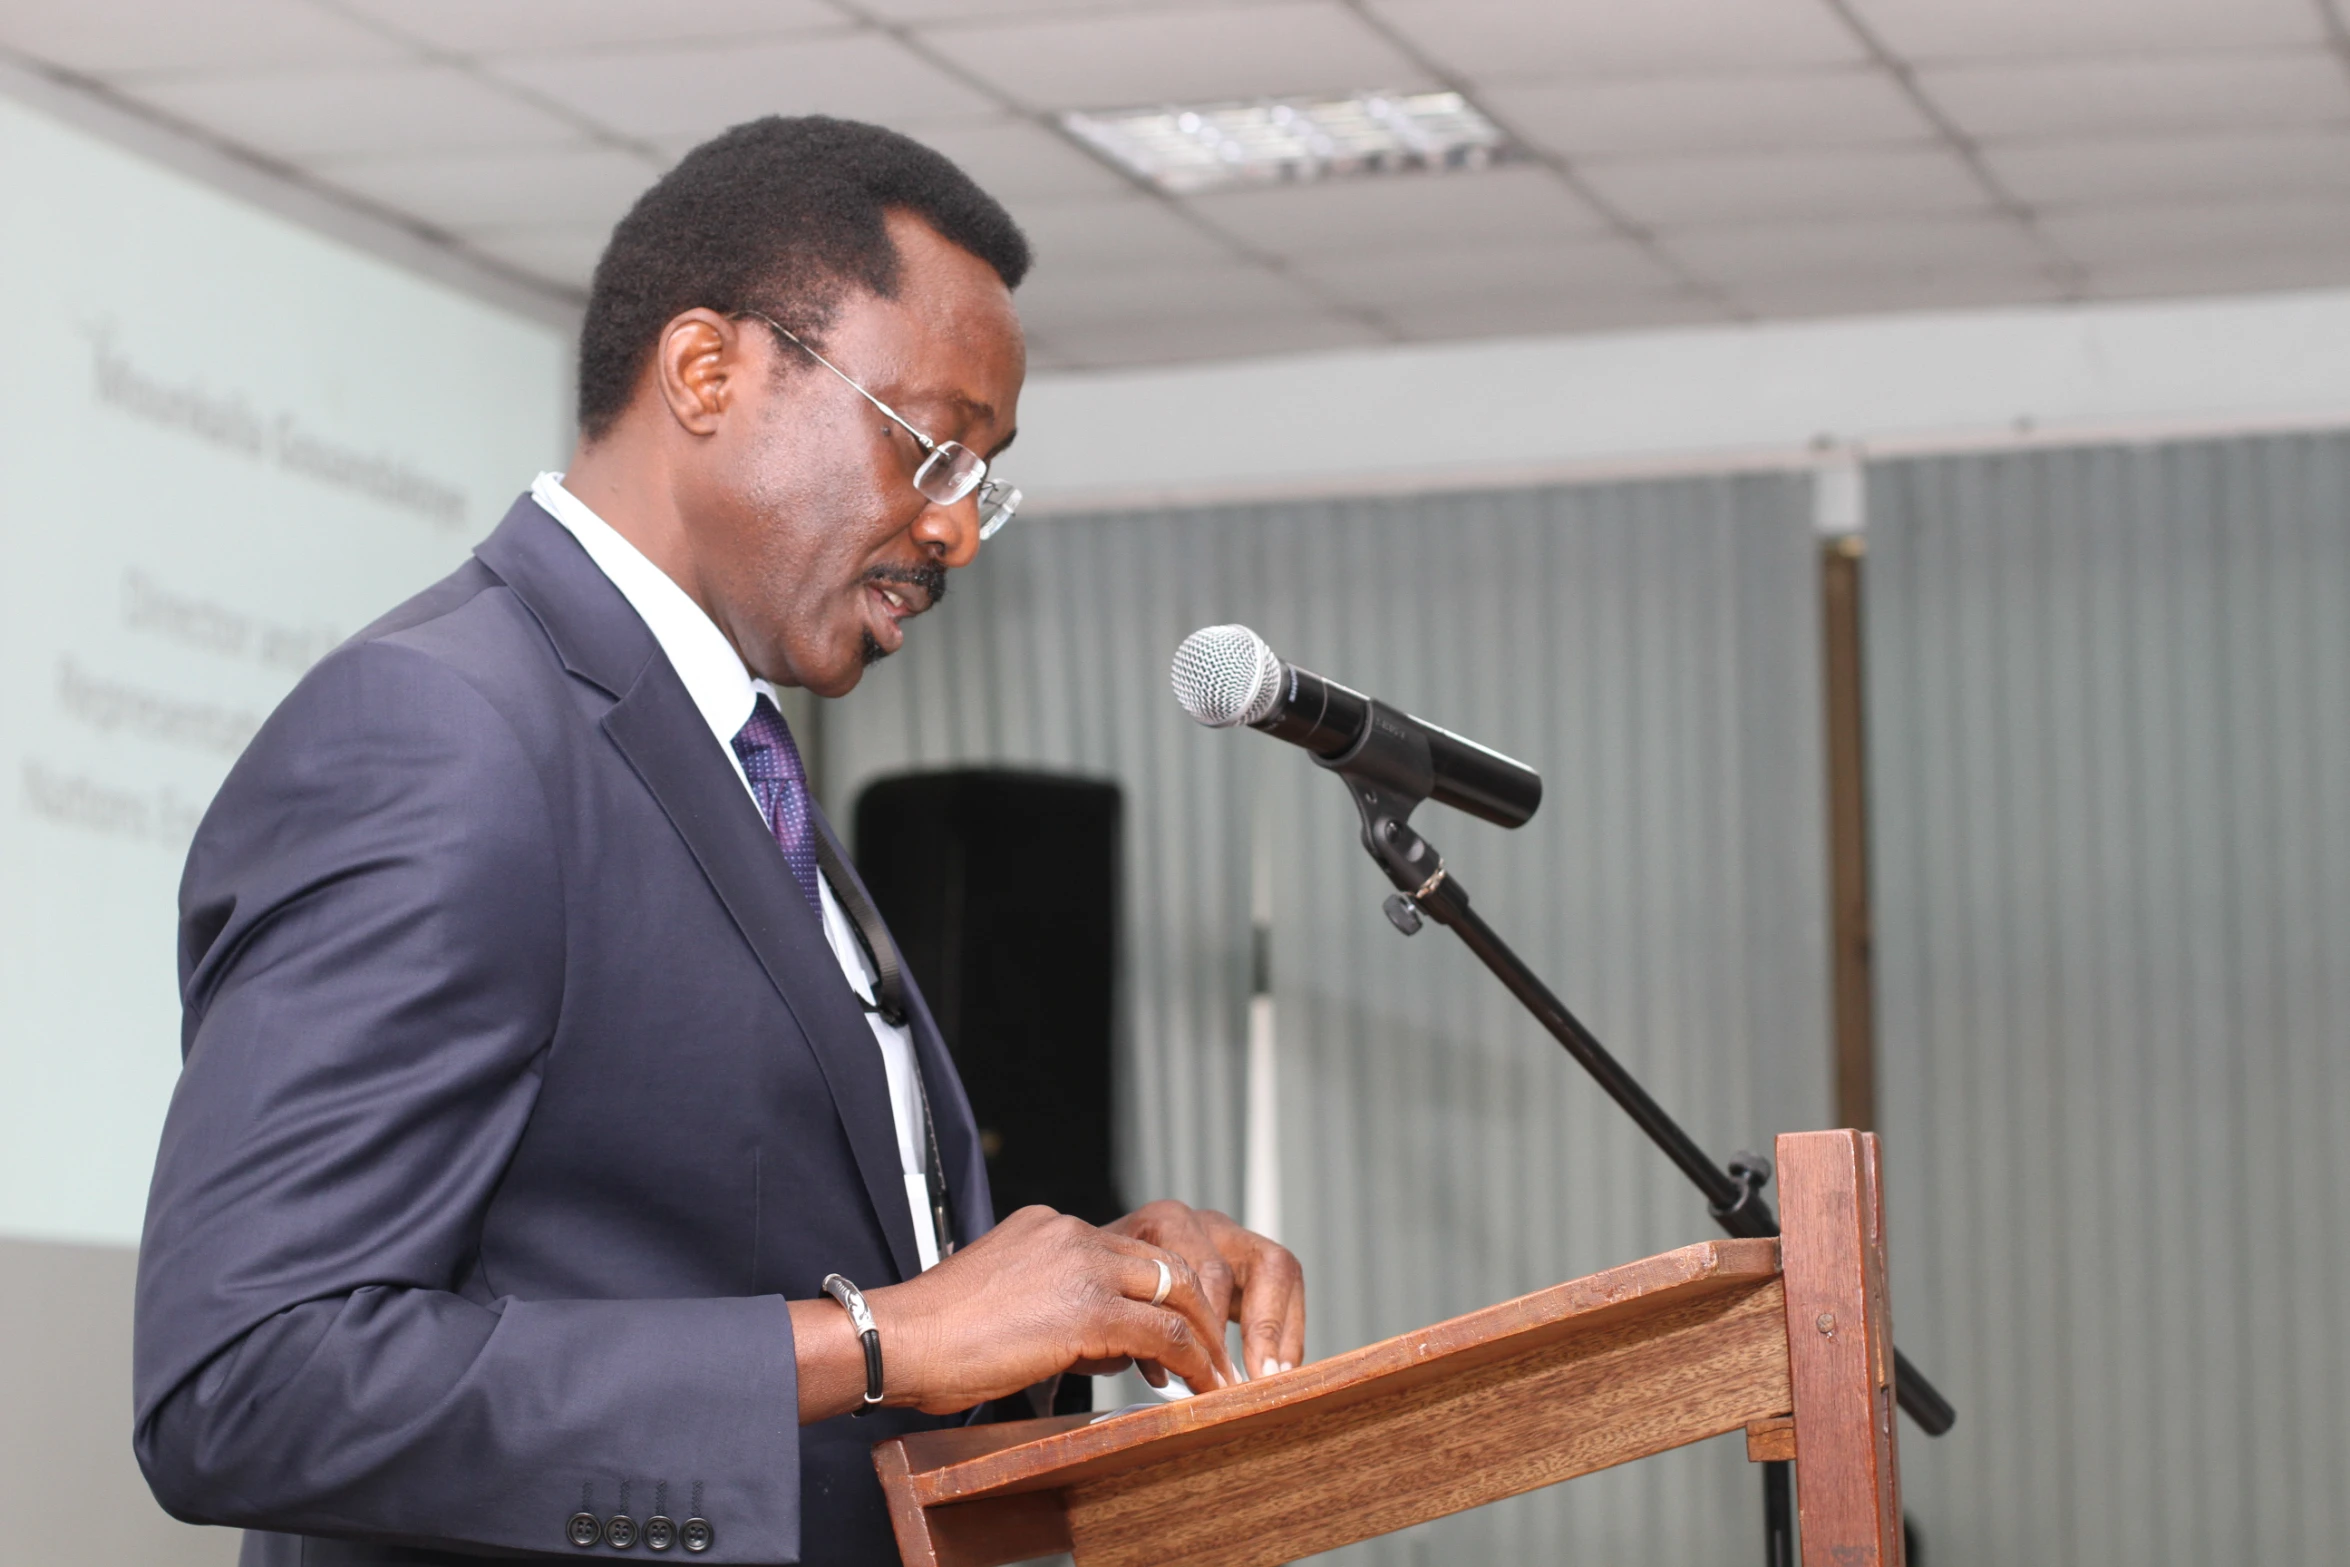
(949, 470)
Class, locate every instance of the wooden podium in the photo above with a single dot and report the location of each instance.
(1789, 1339)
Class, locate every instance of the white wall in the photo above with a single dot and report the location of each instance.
(1531, 410)
(226, 442)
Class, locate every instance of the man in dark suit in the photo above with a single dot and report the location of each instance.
(542, 1057)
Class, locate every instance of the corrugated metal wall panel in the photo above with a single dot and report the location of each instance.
(2109, 707)
(1653, 649)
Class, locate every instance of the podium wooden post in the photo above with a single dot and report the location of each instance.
(1839, 1348)
(1789, 1339)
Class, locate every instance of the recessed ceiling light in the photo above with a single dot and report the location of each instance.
(1213, 146)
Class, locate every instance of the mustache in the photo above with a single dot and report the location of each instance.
(930, 577)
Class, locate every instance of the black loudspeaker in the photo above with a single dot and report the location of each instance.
(1002, 890)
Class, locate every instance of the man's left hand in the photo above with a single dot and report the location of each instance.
(1245, 1278)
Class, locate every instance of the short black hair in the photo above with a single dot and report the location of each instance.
(780, 215)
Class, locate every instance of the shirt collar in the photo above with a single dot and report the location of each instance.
(722, 688)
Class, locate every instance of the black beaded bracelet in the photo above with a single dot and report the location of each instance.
(852, 1301)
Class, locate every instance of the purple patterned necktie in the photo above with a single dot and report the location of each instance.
(780, 782)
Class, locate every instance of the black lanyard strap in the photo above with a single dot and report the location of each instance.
(889, 1001)
(889, 986)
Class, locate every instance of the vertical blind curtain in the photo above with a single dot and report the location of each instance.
(1652, 648)
(2109, 709)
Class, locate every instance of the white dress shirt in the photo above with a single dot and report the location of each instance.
(724, 691)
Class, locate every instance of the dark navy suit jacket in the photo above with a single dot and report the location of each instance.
(521, 1091)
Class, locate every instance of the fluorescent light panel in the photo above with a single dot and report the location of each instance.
(1191, 148)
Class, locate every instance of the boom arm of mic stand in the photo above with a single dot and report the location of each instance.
(1418, 871)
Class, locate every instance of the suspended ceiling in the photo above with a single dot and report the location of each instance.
(1690, 161)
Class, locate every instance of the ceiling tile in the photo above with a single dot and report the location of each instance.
(115, 38)
(2170, 146)
(1773, 252)
(965, 10)
(1532, 40)
(2243, 165)
(2229, 272)
(2164, 232)
(699, 91)
(1016, 160)
(1115, 232)
(2085, 97)
(1927, 30)
(1119, 59)
(1168, 339)
(1867, 295)
(303, 116)
(1838, 108)
(1487, 207)
(564, 254)
(1507, 314)
(1101, 296)
(1761, 187)
(1381, 277)
(581, 186)
(530, 26)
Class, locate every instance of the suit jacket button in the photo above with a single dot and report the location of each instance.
(660, 1533)
(585, 1529)
(620, 1533)
(697, 1535)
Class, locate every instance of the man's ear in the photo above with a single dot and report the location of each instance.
(697, 362)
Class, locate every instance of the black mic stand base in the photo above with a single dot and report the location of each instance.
(1778, 1513)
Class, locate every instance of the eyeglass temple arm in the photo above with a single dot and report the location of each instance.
(887, 412)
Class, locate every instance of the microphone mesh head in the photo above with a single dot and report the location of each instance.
(1226, 675)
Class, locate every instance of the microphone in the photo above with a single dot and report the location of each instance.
(1226, 675)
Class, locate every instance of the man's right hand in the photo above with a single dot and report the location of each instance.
(1039, 1294)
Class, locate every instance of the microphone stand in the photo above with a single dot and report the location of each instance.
(1388, 772)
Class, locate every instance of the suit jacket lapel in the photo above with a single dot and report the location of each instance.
(657, 727)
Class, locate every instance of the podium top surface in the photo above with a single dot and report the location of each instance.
(968, 1463)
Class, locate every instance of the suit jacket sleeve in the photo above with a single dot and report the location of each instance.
(372, 962)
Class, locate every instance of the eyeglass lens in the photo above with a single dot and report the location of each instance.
(997, 502)
(952, 471)
(949, 473)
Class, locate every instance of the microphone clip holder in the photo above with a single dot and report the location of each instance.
(1388, 771)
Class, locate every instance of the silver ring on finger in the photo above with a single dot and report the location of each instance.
(1166, 1281)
